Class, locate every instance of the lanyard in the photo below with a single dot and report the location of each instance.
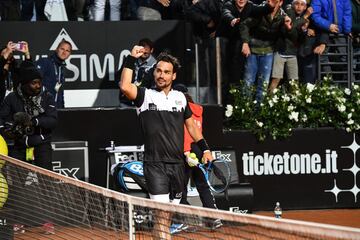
(58, 73)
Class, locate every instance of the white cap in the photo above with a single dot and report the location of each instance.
(304, 1)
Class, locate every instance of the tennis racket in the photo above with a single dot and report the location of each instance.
(217, 174)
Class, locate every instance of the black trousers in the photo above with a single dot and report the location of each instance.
(28, 191)
(42, 155)
(10, 10)
(27, 10)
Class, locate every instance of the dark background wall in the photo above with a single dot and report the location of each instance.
(327, 177)
(100, 126)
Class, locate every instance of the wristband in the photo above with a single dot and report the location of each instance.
(202, 144)
(130, 62)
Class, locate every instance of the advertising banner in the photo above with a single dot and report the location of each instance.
(99, 49)
(315, 168)
(71, 159)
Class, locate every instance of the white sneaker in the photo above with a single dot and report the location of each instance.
(192, 192)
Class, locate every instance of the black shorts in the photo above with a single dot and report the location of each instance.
(164, 178)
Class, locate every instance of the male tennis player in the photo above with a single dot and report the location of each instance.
(163, 113)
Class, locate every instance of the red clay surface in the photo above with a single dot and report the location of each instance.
(343, 217)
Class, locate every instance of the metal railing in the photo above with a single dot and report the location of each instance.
(340, 61)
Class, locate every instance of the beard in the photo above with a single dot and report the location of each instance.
(162, 84)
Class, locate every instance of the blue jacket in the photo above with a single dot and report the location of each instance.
(323, 14)
(52, 71)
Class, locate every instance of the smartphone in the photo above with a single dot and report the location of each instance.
(19, 46)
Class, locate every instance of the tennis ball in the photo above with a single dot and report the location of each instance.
(3, 150)
(193, 160)
(192, 155)
(4, 190)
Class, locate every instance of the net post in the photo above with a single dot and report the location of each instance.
(131, 223)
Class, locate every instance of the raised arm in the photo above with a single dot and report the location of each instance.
(129, 89)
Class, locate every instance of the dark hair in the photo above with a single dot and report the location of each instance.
(166, 57)
(64, 42)
(146, 42)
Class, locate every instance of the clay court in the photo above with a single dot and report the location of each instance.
(341, 217)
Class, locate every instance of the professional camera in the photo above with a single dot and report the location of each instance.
(21, 126)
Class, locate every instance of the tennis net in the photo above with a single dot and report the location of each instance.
(40, 204)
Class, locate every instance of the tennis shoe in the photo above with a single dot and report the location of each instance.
(216, 224)
(177, 227)
(48, 228)
(18, 228)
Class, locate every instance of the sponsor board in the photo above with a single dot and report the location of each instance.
(98, 52)
(319, 173)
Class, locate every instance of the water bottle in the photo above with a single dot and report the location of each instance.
(277, 210)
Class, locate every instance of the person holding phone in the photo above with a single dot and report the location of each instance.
(9, 66)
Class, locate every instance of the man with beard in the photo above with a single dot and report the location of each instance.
(163, 112)
(52, 70)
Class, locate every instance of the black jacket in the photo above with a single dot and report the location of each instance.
(262, 33)
(230, 12)
(44, 123)
(201, 13)
(288, 42)
(8, 78)
(308, 43)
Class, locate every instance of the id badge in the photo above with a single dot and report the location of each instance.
(57, 87)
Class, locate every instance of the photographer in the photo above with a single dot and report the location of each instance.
(28, 116)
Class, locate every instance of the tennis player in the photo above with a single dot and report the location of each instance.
(162, 112)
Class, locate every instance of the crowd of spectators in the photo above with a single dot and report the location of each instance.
(269, 42)
(263, 43)
(91, 10)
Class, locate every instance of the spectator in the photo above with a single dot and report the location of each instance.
(232, 13)
(9, 66)
(129, 9)
(99, 10)
(355, 31)
(75, 9)
(205, 16)
(287, 44)
(52, 70)
(10, 10)
(155, 10)
(335, 19)
(27, 10)
(312, 42)
(143, 72)
(259, 36)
